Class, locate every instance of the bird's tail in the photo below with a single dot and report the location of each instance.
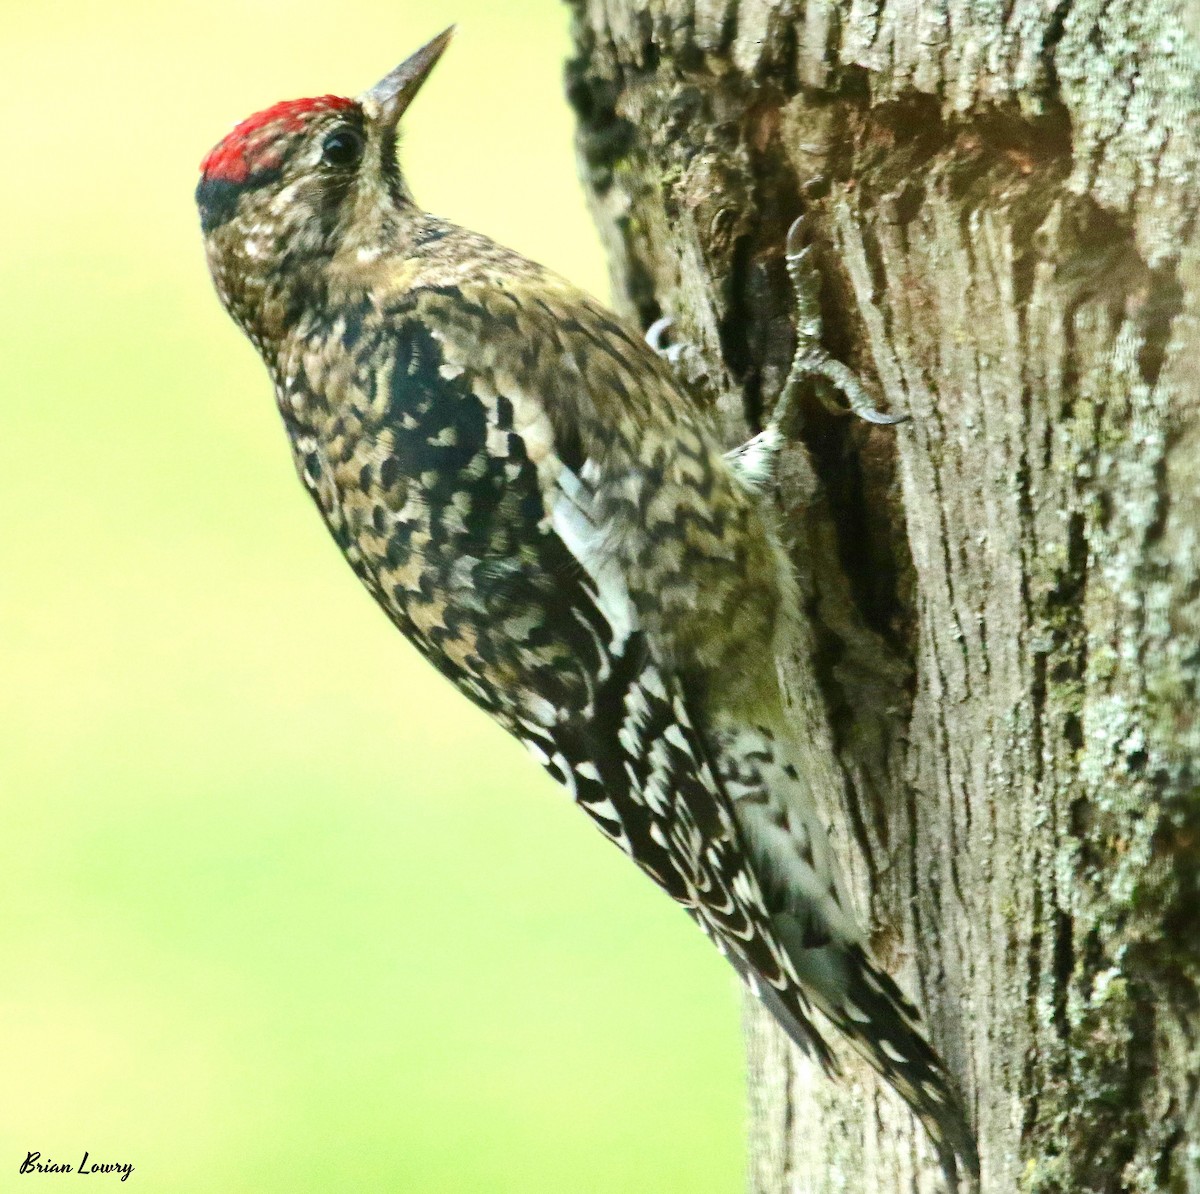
(809, 913)
(863, 1002)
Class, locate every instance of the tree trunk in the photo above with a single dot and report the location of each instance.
(1000, 673)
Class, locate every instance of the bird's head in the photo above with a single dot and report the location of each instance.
(297, 183)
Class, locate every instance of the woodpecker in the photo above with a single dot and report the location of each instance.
(523, 487)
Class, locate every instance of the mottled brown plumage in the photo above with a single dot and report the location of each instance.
(518, 480)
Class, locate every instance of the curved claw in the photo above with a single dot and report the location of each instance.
(794, 244)
(859, 408)
(655, 332)
(870, 415)
(654, 336)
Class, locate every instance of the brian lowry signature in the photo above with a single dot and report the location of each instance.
(33, 1163)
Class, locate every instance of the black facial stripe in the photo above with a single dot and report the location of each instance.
(217, 198)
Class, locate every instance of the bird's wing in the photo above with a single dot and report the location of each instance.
(471, 516)
(636, 764)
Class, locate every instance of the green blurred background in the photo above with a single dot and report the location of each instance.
(281, 912)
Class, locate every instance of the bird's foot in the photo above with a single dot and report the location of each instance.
(811, 364)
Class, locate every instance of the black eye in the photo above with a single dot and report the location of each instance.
(343, 147)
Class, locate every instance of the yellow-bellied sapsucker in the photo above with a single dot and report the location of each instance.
(526, 492)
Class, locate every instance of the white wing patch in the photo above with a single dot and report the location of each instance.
(573, 518)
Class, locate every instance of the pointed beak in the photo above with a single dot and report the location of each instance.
(387, 101)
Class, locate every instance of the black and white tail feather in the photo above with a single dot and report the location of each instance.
(724, 823)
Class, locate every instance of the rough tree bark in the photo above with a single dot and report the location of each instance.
(1002, 652)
